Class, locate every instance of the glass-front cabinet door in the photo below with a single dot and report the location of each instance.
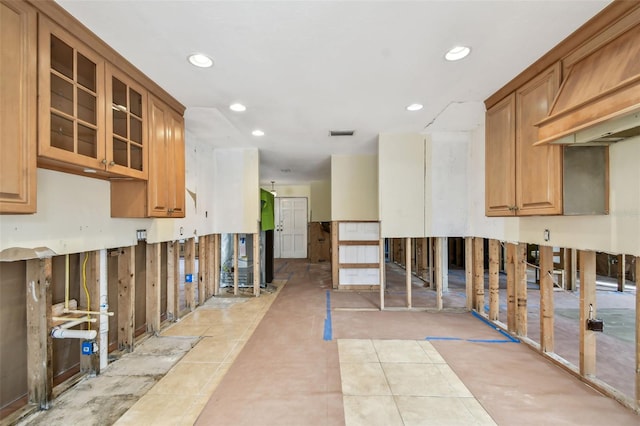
(126, 126)
(71, 104)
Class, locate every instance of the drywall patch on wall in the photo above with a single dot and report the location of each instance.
(354, 187)
(401, 184)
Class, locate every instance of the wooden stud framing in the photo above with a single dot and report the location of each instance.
(637, 331)
(621, 272)
(203, 269)
(91, 364)
(211, 265)
(154, 260)
(431, 269)
(335, 274)
(570, 266)
(546, 299)
(521, 289)
(256, 264)
(39, 345)
(216, 264)
(173, 280)
(407, 270)
(494, 279)
(189, 269)
(236, 273)
(439, 255)
(587, 305)
(126, 298)
(478, 274)
(511, 287)
(468, 270)
(382, 274)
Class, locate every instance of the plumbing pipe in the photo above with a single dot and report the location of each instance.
(63, 333)
(104, 307)
(66, 282)
(75, 311)
(72, 322)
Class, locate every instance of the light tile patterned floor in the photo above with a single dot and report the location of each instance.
(224, 325)
(403, 382)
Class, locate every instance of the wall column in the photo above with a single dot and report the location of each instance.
(521, 289)
(39, 344)
(511, 287)
(189, 269)
(173, 280)
(468, 270)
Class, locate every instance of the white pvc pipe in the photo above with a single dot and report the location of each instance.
(62, 333)
(104, 307)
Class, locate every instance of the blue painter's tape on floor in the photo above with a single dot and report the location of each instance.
(498, 329)
(441, 338)
(328, 334)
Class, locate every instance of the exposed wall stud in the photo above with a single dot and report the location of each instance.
(39, 345)
(521, 289)
(90, 364)
(203, 272)
(621, 272)
(126, 298)
(189, 272)
(407, 271)
(439, 271)
(173, 280)
(256, 264)
(494, 279)
(478, 274)
(335, 274)
(216, 264)
(153, 277)
(468, 270)
(546, 299)
(511, 287)
(236, 254)
(637, 275)
(382, 274)
(587, 305)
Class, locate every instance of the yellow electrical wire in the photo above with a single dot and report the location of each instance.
(84, 284)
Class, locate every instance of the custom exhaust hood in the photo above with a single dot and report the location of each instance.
(599, 100)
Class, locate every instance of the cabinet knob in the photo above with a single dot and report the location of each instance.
(170, 211)
(104, 161)
(112, 163)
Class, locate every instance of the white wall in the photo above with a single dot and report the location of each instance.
(320, 201)
(354, 187)
(446, 211)
(401, 184)
(236, 190)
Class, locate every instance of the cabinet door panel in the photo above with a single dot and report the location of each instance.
(499, 159)
(538, 169)
(177, 157)
(158, 196)
(18, 104)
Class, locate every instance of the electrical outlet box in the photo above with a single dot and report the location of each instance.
(87, 347)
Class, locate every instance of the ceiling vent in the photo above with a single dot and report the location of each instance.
(341, 132)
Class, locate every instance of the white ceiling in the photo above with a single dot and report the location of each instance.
(304, 68)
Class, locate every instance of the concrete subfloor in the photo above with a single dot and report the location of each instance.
(286, 358)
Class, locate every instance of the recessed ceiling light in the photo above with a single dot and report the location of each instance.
(200, 60)
(257, 132)
(414, 107)
(457, 53)
(237, 107)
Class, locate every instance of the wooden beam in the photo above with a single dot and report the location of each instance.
(407, 269)
(189, 269)
(203, 273)
(621, 272)
(431, 268)
(439, 256)
(546, 299)
(211, 265)
(511, 287)
(216, 264)
(478, 274)
(236, 255)
(382, 274)
(521, 289)
(335, 273)
(494, 279)
(126, 298)
(256, 264)
(173, 280)
(637, 274)
(90, 364)
(570, 266)
(587, 308)
(154, 287)
(468, 270)
(39, 345)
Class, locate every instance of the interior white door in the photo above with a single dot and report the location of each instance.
(290, 240)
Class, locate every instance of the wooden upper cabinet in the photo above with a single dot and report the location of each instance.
(18, 106)
(538, 169)
(500, 192)
(126, 148)
(163, 194)
(522, 179)
(91, 116)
